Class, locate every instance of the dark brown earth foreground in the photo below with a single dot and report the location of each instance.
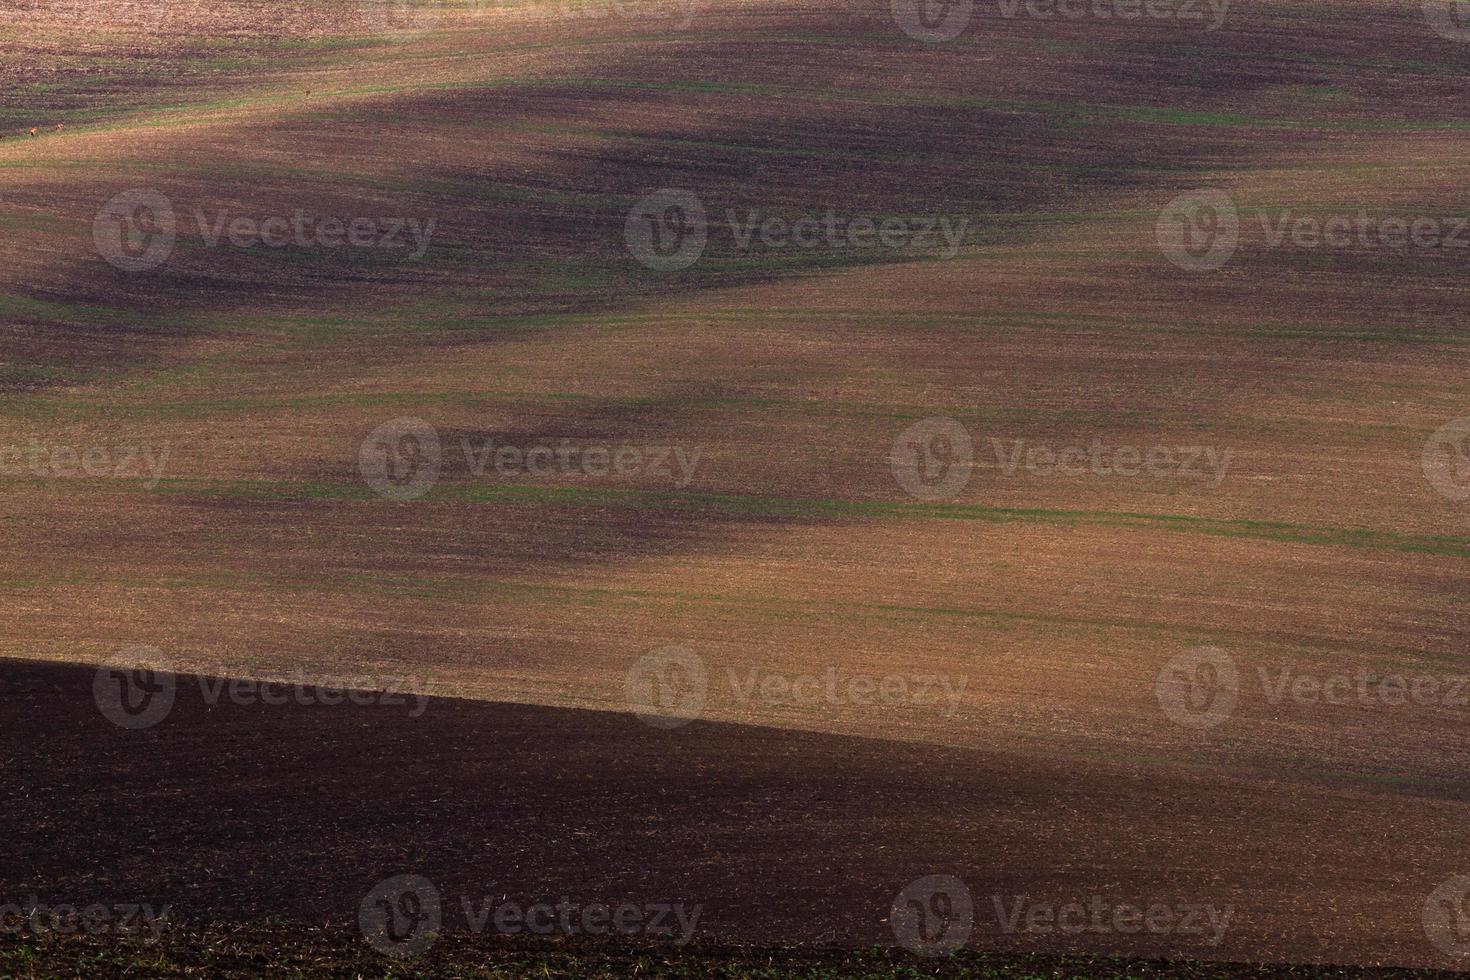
(242, 813)
(244, 951)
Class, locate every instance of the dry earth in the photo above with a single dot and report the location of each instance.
(1018, 636)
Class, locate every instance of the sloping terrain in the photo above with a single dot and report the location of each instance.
(1034, 623)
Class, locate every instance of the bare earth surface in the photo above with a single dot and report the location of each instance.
(1026, 717)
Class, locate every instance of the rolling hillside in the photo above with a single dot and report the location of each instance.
(1029, 457)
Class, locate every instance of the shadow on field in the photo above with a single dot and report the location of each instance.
(760, 113)
(226, 808)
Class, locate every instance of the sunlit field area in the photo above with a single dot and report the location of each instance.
(735, 487)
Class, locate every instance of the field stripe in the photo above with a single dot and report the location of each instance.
(815, 508)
